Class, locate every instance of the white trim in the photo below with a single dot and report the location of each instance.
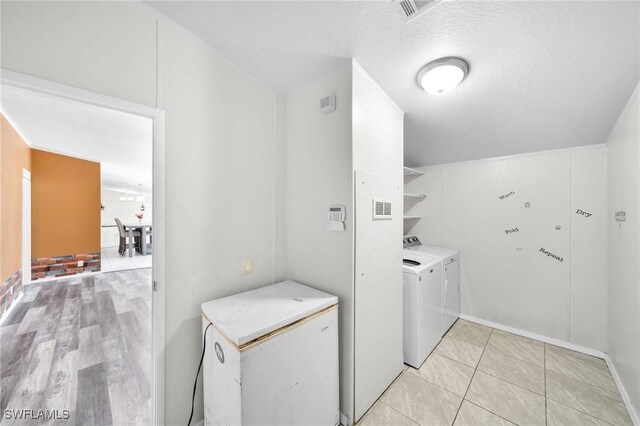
(344, 420)
(68, 93)
(513, 156)
(623, 392)
(26, 174)
(6, 313)
(556, 342)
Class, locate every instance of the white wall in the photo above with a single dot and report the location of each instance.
(377, 163)
(624, 248)
(505, 277)
(320, 174)
(124, 210)
(224, 150)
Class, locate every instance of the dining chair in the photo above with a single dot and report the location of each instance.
(124, 235)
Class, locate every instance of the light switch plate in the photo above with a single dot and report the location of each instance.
(247, 266)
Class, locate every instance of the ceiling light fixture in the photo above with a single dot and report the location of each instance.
(443, 75)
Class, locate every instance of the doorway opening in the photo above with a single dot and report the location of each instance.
(83, 336)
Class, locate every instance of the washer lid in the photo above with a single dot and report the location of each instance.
(442, 252)
(247, 316)
(417, 263)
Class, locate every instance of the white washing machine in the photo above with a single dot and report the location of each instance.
(450, 277)
(422, 295)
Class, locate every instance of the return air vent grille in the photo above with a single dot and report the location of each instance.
(381, 209)
(411, 8)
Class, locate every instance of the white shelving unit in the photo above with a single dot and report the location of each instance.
(410, 220)
(415, 196)
(408, 171)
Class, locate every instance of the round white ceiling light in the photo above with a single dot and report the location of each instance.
(442, 75)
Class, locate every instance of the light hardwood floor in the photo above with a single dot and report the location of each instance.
(81, 344)
(482, 376)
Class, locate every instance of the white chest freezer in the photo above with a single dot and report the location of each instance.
(272, 357)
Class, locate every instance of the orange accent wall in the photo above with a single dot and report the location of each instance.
(14, 156)
(65, 205)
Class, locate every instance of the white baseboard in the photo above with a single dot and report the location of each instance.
(550, 340)
(5, 315)
(623, 392)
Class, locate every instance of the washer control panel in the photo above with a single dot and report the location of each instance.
(410, 241)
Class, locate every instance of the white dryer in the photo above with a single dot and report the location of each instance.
(450, 277)
(422, 296)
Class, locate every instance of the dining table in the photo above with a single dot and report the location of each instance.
(145, 229)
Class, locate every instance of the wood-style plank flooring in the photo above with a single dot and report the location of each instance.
(81, 344)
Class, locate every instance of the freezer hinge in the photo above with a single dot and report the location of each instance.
(155, 285)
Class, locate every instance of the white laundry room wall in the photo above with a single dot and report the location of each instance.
(623, 172)
(224, 140)
(532, 234)
(377, 163)
(320, 174)
(325, 153)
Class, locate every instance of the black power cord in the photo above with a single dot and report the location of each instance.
(195, 383)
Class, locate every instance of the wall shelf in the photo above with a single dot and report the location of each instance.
(408, 171)
(415, 196)
(412, 217)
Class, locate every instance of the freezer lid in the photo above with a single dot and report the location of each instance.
(247, 316)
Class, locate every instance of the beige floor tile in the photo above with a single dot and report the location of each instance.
(524, 374)
(460, 351)
(472, 415)
(580, 369)
(509, 401)
(597, 402)
(561, 415)
(575, 354)
(421, 401)
(383, 415)
(518, 347)
(446, 373)
(470, 332)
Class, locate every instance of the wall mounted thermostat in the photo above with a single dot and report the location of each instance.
(335, 218)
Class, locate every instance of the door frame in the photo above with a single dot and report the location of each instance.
(73, 94)
(26, 229)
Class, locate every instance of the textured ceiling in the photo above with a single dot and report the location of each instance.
(120, 142)
(544, 75)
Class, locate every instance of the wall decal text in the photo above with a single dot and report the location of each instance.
(510, 231)
(508, 194)
(549, 254)
(621, 216)
(583, 213)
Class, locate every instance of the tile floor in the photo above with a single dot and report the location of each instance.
(112, 261)
(483, 376)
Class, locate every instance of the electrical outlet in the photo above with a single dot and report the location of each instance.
(80, 263)
(247, 266)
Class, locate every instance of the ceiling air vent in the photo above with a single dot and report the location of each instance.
(381, 209)
(411, 8)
